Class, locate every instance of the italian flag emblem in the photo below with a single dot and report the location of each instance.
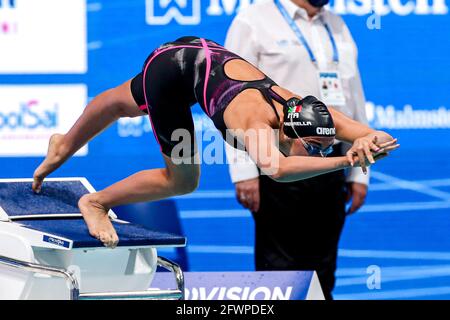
(295, 109)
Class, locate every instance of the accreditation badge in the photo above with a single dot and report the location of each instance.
(331, 90)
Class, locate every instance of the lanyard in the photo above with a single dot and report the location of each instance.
(302, 39)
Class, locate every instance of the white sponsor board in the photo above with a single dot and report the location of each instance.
(188, 12)
(390, 117)
(385, 7)
(30, 114)
(45, 36)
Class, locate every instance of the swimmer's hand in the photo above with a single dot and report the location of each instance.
(366, 150)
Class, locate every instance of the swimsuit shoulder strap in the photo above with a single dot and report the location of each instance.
(265, 87)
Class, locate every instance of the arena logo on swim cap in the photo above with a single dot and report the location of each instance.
(326, 131)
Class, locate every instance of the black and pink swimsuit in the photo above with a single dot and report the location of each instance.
(181, 73)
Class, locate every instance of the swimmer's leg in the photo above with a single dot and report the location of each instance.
(147, 185)
(101, 112)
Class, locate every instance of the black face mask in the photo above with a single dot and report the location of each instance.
(318, 3)
(307, 117)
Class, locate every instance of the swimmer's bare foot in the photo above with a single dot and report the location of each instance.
(55, 157)
(97, 220)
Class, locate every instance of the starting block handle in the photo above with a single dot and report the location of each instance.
(176, 270)
(37, 268)
(176, 294)
(134, 295)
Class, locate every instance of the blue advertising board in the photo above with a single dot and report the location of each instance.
(270, 285)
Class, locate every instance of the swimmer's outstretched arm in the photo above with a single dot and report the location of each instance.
(349, 130)
(292, 168)
(365, 140)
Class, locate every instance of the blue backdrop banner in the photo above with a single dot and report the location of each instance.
(55, 56)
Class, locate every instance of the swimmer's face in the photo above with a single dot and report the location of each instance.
(311, 146)
(316, 146)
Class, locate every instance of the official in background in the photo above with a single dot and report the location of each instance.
(309, 50)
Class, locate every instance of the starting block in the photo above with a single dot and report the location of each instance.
(46, 251)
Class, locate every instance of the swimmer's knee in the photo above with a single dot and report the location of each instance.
(185, 184)
(120, 104)
(182, 178)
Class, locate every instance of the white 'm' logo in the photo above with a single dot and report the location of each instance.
(172, 9)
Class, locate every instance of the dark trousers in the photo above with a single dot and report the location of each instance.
(299, 224)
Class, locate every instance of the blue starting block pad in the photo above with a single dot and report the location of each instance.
(130, 235)
(55, 214)
(57, 197)
(46, 251)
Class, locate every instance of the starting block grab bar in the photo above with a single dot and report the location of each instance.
(175, 294)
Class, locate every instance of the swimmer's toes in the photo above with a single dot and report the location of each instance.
(104, 238)
(109, 238)
(94, 233)
(115, 242)
(114, 239)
